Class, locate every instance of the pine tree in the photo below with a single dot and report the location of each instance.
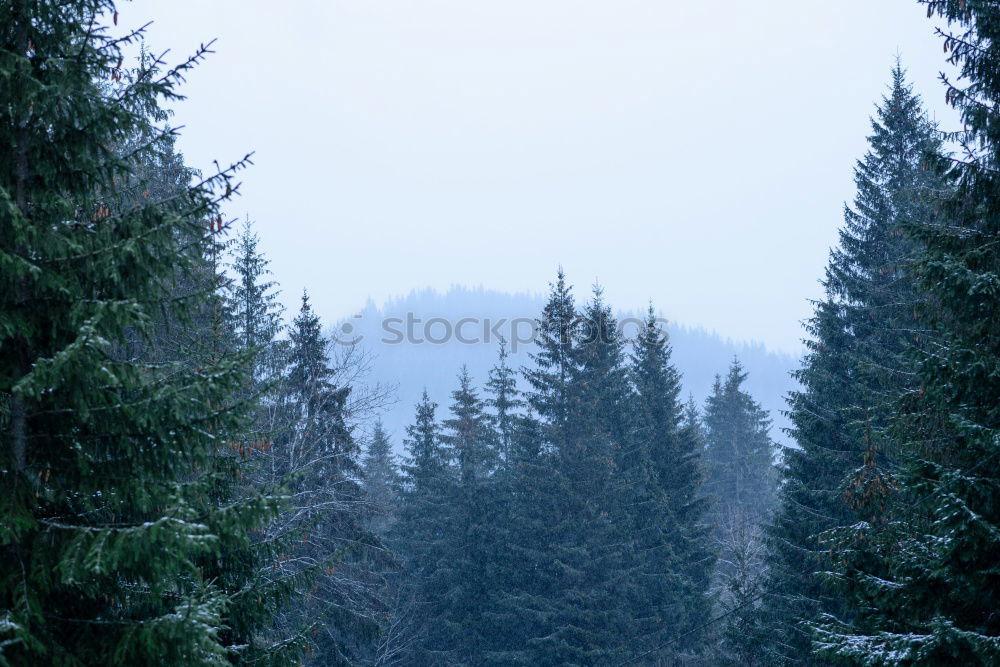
(741, 481)
(310, 378)
(109, 461)
(470, 577)
(676, 554)
(739, 452)
(549, 379)
(920, 568)
(855, 368)
(258, 618)
(510, 523)
(315, 450)
(525, 597)
(529, 603)
(521, 517)
(692, 424)
(253, 302)
(588, 548)
(419, 535)
(381, 479)
(504, 401)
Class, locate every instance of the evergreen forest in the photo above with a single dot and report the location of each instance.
(192, 475)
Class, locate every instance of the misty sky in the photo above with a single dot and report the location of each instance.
(695, 153)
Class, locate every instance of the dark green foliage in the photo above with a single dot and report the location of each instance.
(110, 462)
(420, 534)
(504, 401)
(380, 476)
(739, 453)
(447, 533)
(253, 303)
(182, 485)
(524, 507)
(674, 553)
(567, 606)
(469, 574)
(919, 567)
(528, 607)
(317, 456)
(586, 543)
(310, 385)
(553, 363)
(855, 370)
(267, 590)
(740, 482)
(570, 535)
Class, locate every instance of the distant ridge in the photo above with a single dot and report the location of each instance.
(425, 361)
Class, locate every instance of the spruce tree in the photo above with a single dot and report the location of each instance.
(504, 401)
(109, 461)
(253, 302)
(740, 480)
(522, 514)
(587, 543)
(920, 567)
(549, 379)
(855, 368)
(739, 452)
(380, 481)
(534, 580)
(425, 474)
(676, 555)
(470, 576)
(380, 476)
(316, 452)
(420, 534)
(310, 378)
(267, 591)
(525, 599)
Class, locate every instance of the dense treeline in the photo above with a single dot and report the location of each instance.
(565, 525)
(189, 477)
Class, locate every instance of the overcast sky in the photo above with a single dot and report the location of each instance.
(694, 153)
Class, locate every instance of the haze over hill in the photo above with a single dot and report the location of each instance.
(415, 343)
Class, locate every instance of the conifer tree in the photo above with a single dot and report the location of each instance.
(315, 450)
(522, 514)
(529, 603)
(739, 452)
(524, 602)
(740, 480)
(586, 543)
(310, 378)
(109, 461)
(692, 424)
(920, 567)
(425, 473)
(470, 569)
(381, 479)
(253, 302)
(855, 368)
(419, 535)
(550, 377)
(675, 549)
(504, 401)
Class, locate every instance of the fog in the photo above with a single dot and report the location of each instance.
(695, 154)
(483, 333)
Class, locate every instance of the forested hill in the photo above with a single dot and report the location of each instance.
(416, 362)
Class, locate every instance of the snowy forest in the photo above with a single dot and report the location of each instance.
(191, 475)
